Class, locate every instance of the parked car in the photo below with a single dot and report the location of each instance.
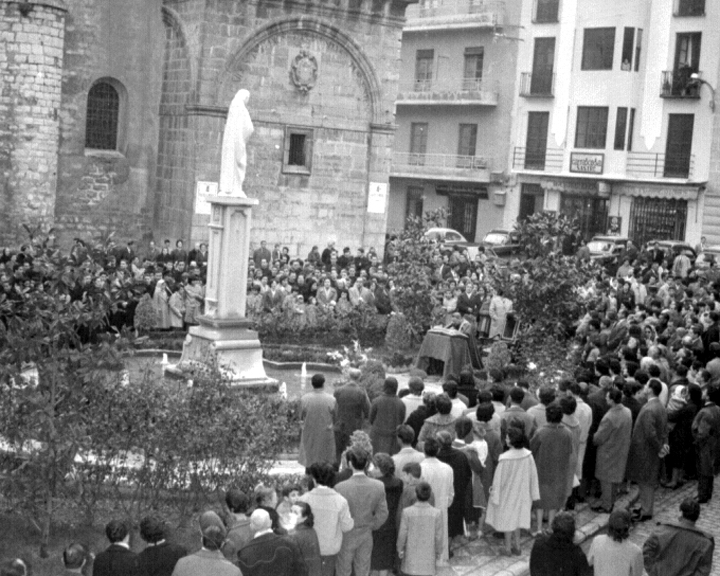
(502, 242)
(710, 253)
(674, 246)
(606, 249)
(449, 239)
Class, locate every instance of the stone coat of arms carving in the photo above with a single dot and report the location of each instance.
(304, 71)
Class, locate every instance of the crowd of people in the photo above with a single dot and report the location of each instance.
(164, 288)
(488, 456)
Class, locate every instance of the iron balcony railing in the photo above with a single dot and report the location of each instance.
(679, 84)
(651, 165)
(457, 91)
(537, 84)
(545, 159)
(437, 163)
(455, 13)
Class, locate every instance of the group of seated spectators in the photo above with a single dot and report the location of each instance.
(168, 283)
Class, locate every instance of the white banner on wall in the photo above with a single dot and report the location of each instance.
(377, 197)
(203, 191)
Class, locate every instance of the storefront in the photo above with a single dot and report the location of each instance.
(585, 201)
(641, 211)
(658, 212)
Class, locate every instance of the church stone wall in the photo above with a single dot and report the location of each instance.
(110, 191)
(31, 60)
(349, 109)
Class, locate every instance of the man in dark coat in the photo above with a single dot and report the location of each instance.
(160, 556)
(117, 559)
(597, 402)
(387, 412)
(555, 553)
(353, 407)
(462, 482)
(261, 254)
(648, 446)
(75, 558)
(706, 433)
(552, 448)
(268, 554)
(679, 548)
(613, 444)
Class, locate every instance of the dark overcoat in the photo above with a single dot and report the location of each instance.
(648, 438)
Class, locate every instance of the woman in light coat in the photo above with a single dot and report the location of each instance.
(514, 488)
(500, 307)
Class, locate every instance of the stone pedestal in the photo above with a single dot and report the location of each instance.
(224, 334)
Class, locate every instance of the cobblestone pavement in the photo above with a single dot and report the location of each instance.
(482, 557)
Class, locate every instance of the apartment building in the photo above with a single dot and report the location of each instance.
(454, 113)
(613, 116)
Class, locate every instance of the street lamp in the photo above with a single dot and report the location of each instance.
(696, 80)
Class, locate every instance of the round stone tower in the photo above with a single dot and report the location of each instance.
(32, 34)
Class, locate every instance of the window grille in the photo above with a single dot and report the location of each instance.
(103, 113)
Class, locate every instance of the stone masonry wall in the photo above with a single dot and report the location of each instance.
(173, 199)
(110, 191)
(350, 109)
(31, 60)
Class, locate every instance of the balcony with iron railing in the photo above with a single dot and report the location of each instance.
(650, 165)
(454, 14)
(461, 91)
(441, 166)
(542, 160)
(537, 85)
(689, 8)
(680, 84)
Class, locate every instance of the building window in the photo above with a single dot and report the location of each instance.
(690, 8)
(631, 129)
(598, 48)
(467, 139)
(103, 117)
(620, 128)
(424, 69)
(589, 213)
(541, 81)
(418, 142)
(687, 51)
(547, 11)
(638, 48)
(473, 69)
(678, 147)
(414, 204)
(297, 158)
(591, 130)
(627, 49)
(536, 142)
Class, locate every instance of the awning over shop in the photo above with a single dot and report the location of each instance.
(604, 188)
(657, 191)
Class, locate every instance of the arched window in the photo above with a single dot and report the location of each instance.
(103, 115)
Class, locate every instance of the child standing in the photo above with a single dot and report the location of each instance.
(420, 540)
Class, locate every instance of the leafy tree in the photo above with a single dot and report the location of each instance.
(411, 268)
(80, 429)
(48, 329)
(544, 288)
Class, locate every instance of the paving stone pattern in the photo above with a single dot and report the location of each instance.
(482, 557)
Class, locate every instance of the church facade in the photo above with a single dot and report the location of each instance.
(112, 116)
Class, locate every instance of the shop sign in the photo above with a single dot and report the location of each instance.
(586, 163)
